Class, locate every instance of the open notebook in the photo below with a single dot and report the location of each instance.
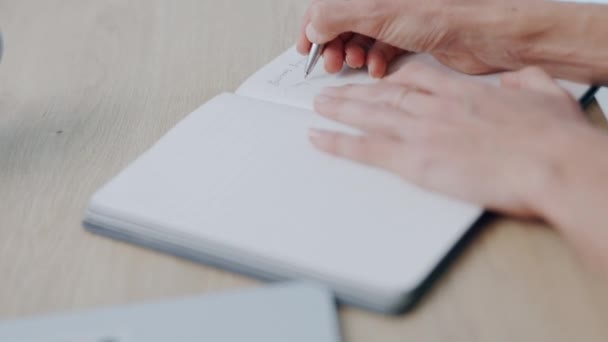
(238, 185)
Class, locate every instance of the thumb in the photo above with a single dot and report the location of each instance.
(531, 78)
(330, 18)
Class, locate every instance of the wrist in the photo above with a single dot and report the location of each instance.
(549, 34)
(575, 193)
(489, 33)
(568, 176)
(546, 177)
(565, 39)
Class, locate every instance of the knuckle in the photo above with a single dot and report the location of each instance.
(400, 97)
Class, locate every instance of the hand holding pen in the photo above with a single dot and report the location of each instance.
(356, 50)
(364, 33)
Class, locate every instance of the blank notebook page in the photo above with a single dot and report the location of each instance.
(241, 175)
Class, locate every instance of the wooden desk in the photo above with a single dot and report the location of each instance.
(86, 86)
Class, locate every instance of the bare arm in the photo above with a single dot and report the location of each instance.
(568, 40)
(575, 198)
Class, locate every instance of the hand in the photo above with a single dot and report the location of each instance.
(499, 147)
(357, 51)
(373, 33)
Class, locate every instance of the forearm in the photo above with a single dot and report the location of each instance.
(568, 40)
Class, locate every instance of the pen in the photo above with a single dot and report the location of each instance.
(315, 52)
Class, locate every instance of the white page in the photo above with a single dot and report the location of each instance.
(282, 80)
(241, 174)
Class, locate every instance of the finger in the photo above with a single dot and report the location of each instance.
(379, 57)
(373, 151)
(330, 18)
(303, 44)
(531, 78)
(426, 78)
(388, 94)
(356, 50)
(333, 56)
(369, 117)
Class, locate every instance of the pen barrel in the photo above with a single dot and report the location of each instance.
(313, 57)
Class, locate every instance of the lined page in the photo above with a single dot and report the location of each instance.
(282, 80)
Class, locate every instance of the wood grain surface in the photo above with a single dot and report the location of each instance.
(86, 86)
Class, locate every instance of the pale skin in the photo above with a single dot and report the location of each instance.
(567, 40)
(523, 148)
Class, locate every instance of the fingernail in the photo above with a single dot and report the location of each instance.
(313, 35)
(373, 72)
(350, 62)
(370, 70)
